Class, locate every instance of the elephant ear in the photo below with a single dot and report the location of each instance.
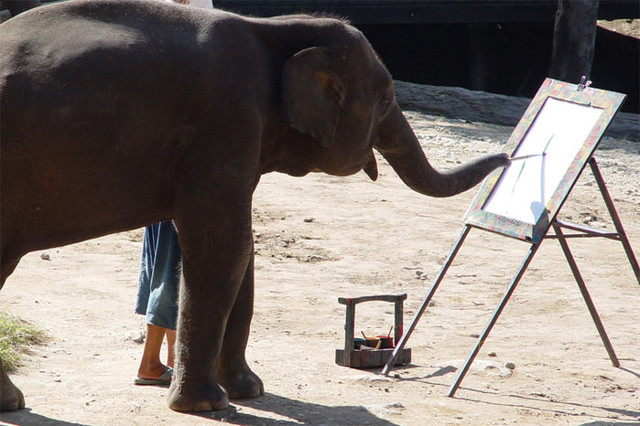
(312, 94)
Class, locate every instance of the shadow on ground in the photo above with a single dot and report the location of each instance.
(27, 417)
(280, 410)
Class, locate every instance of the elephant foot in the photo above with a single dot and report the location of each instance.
(11, 397)
(203, 398)
(242, 384)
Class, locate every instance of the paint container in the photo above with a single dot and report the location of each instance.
(372, 342)
(386, 342)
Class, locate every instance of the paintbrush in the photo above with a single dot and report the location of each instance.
(541, 154)
(524, 157)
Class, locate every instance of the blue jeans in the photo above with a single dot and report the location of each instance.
(159, 275)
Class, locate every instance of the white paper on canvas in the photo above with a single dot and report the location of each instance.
(526, 186)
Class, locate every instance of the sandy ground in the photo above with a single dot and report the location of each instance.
(321, 237)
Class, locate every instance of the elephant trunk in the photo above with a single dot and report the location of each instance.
(400, 147)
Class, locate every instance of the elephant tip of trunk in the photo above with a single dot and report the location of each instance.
(487, 163)
(499, 160)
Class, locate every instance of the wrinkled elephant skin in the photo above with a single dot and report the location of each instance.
(118, 114)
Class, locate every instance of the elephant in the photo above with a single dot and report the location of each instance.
(118, 114)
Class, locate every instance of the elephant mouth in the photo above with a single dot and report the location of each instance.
(371, 166)
(368, 165)
(295, 167)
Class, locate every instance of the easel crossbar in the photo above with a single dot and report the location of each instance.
(585, 231)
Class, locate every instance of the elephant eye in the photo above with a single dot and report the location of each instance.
(385, 101)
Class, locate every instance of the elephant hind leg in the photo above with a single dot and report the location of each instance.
(10, 396)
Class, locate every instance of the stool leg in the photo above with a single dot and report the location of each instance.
(398, 328)
(349, 328)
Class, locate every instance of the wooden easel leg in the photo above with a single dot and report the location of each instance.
(425, 302)
(614, 217)
(494, 318)
(585, 294)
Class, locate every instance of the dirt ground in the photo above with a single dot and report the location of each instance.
(321, 237)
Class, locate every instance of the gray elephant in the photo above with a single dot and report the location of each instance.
(118, 114)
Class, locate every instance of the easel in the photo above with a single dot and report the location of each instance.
(499, 221)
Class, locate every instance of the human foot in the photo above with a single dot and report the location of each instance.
(162, 379)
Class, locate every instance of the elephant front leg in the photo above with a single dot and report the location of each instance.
(214, 265)
(232, 370)
(10, 396)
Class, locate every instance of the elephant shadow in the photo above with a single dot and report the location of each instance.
(27, 417)
(287, 411)
(290, 411)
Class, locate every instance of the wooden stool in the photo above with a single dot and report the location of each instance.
(371, 357)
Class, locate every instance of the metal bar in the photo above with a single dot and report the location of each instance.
(494, 318)
(610, 236)
(614, 217)
(423, 306)
(585, 295)
(576, 227)
(592, 232)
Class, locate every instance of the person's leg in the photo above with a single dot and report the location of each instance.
(164, 279)
(150, 366)
(171, 347)
(158, 295)
(162, 307)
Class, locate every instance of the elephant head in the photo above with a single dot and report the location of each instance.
(341, 96)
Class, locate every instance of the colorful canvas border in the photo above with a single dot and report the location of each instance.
(608, 101)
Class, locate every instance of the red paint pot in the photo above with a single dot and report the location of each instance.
(385, 342)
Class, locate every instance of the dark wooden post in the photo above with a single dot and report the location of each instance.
(574, 39)
(478, 57)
